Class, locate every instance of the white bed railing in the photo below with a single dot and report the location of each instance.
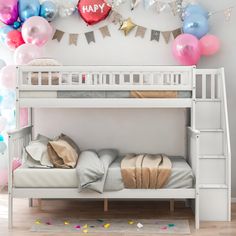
(104, 78)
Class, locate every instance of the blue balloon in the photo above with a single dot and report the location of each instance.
(17, 25)
(9, 99)
(3, 147)
(3, 33)
(196, 25)
(48, 10)
(1, 138)
(195, 9)
(28, 8)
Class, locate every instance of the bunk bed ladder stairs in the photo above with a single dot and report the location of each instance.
(211, 119)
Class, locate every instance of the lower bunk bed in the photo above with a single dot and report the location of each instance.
(35, 183)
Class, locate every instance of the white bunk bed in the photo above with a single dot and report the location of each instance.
(208, 135)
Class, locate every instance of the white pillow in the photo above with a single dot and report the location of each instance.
(44, 62)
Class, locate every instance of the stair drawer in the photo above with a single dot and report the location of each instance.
(212, 171)
(213, 204)
(211, 143)
(208, 115)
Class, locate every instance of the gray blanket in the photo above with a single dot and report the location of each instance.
(92, 168)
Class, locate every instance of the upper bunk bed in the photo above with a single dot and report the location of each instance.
(106, 86)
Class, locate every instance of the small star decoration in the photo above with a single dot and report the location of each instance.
(127, 26)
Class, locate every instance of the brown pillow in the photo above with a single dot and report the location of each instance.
(62, 154)
(70, 141)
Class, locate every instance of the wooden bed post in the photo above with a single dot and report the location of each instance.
(172, 205)
(106, 205)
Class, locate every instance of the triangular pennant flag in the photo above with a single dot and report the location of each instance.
(166, 35)
(90, 37)
(140, 31)
(58, 35)
(176, 32)
(73, 39)
(105, 31)
(155, 35)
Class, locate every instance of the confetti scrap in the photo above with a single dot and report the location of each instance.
(85, 231)
(66, 222)
(164, 227)
(92, 226)
(107, 226)
(130, 222)
(100, 220)
(139, 225)
(77, 227)
(48, 223)
(37, 222)
(171, 225)
(85, 226)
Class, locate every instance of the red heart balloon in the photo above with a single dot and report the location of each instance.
(93, 11)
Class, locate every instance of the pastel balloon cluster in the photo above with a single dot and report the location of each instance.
(195, 40)
(31, 16)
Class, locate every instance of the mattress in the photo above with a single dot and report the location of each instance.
(181, 177)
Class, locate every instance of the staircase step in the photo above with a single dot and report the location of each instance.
(213, 186)
(213, 157)
(208, 100)
(211, 130)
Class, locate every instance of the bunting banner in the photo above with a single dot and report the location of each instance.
(105, 31)
(115, 17)
(58, 35)
(155, 35)
(140, 31)
(90, 37)
(73, 38)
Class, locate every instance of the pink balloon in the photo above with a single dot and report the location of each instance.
(8, 11)
(209, 45)
(23, 117)
(186, 49)
(26, 53)
(8, 77)
(36, 30)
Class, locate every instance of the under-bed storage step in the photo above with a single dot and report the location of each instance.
(208, 114)
(212, 142)
(212, 171)
(214, 204)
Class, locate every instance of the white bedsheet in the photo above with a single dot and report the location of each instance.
(181, 177)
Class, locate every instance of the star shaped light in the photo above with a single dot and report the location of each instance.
(127, 26)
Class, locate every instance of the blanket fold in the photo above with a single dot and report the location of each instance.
(145, 171)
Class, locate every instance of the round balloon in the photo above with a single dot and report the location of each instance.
(26, 53)
(48, 10)
(67, 7)
(193, 9)
(196, 25)
(93, 11)
(1, 138)
(14, 39)
(28, 8)
(8, 11)
(209, 44)
(36, 30)
(8, 77)
(3, 33)
(9, 100)
(186, 49)
(16, 24)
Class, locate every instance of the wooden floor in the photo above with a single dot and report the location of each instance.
(24, 216)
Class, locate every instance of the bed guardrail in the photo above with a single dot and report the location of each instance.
(105, 78)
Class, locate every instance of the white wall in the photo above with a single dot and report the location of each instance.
(135, 51)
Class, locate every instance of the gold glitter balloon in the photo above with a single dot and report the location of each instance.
(127, 26)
